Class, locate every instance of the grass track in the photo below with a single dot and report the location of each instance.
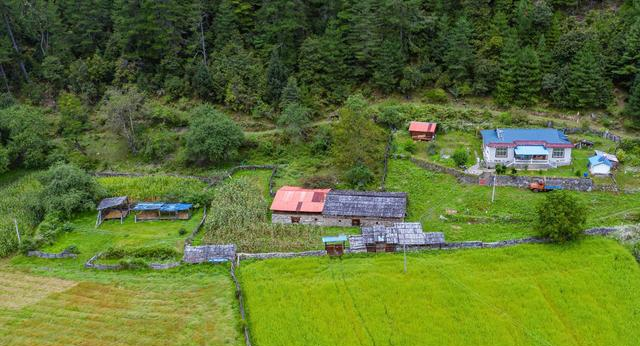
(581, 294)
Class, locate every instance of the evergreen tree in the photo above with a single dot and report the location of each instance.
(225, 25)
(276, 78)
(290, 93)
(459, 57)
(387, 65)
(528, 77)
(630, 60)
(587, 84)
(632, 107)
(506, 86)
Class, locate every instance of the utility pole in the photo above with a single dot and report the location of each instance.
(15, 222)
(493, 194)
(405, 258)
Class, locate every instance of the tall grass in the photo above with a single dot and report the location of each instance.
(581, 294)
(154, 188)
(17, 201)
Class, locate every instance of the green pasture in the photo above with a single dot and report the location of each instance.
(75, 306)
(586, 293)
(465, 212)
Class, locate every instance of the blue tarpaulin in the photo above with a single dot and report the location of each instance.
(334, 239)
(531, 150)
(165, 207)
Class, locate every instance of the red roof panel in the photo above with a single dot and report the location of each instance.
(297, 199)
(419, 126)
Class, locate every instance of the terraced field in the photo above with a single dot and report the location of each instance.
(180, 307)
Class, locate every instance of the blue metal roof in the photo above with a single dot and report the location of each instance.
(531, 150)
(167, 207)
(551, 136)
(334, 239)
(597, 159)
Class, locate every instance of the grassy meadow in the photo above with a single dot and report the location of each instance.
(465, 212)
(17, 191)
(587, 293)
(184, 306)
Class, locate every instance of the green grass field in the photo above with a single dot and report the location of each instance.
(585, 293)
(432, 195)
(185, 306)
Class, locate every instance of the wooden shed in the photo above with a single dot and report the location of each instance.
(113, 208)
(334, 245)
(421, 131)
(387, 239)
(162, 211)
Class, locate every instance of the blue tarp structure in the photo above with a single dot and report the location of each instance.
(531, 150)
(597, 159)
(164, 207)
(334, 239)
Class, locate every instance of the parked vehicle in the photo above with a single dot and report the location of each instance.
(541, 186)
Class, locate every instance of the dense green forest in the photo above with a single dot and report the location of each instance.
(242, 53)
(164, 76)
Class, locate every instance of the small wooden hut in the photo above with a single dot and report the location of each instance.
(162, 211)
(421, 131)
(113, 208)
(334, 245)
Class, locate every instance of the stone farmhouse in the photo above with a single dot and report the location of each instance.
(338, 207)
(532, 149)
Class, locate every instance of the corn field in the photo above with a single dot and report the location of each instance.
(155, 188)
(17, 202)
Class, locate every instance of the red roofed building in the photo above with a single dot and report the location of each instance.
(298, 205)
(421, 131)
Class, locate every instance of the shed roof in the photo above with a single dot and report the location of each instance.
(297, 199)
(334, 239)
(166, 207)
(402, 233)
(599, 160)
(419, 126)
(112, 202)
(609, 157)
(512, 137)
(365, 204)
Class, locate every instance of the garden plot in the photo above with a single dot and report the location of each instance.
(586, 293)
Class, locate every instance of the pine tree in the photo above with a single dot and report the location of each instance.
(276, 78)
(225, 25)
(459, 57)
(587, 84)
(387, 64)
(290, 93)
(528, 77)
(632, 107)
(506, 86)
(630, 61)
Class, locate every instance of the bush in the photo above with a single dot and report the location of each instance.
(501, 169)
(560, 217)
(359, 177)
(436, 95)
(514, 171)
(133, 264)
(212, 137)
(460, 157)
(319, 182)
(158, 145)
(182, 231)
(73, 249)
(410, 147)
(68, 189)
(432, 149)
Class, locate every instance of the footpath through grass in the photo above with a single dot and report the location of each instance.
(465, 212)
(586, 293)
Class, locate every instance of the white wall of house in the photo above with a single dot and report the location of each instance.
(491, 160)
(600, 169)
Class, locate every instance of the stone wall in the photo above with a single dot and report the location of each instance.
(41, 254)
(305, 219)
(567, 183)
(155, 266)
(269, 255)
(206, 253)
(364, 221)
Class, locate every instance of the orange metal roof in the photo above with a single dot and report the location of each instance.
(419, 126)
(297, 199)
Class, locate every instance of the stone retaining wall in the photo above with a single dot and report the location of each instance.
(206, 253)
(155, 266)
(567, 183)
(41, 254)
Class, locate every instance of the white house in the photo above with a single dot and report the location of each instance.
(526, 148)
(600, 165)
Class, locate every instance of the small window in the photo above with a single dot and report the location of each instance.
(558, 153)
(501, 152)
(295, 219)
(355, 222)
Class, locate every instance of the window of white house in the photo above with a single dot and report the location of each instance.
(558, 153)
(501, 152)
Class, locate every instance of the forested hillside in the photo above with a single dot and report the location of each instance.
(243, 53)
